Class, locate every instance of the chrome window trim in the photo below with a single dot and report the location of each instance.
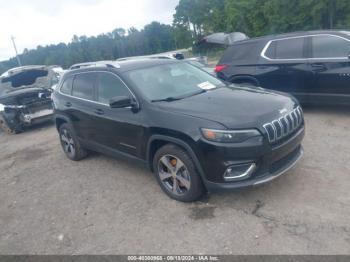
(263, 55)
(92, 101)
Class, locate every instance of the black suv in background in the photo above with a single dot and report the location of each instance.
(313, 66)
(192, 130)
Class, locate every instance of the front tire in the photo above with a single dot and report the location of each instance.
(176, 174)
(70, 143)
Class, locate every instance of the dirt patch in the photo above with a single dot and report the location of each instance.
(25, 155)
(202, 212)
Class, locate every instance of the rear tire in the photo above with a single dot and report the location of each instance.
(176, 174)
(70, 143)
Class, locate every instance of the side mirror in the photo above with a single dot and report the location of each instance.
(122, 102)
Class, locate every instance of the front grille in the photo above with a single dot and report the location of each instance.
(284, 126)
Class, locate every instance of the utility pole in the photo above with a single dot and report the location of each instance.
(14, 45)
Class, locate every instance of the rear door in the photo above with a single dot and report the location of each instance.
(81, 105)
(117, 128)
(330, 64)
(284, 65)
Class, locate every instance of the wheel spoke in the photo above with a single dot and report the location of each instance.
(166, 162)
(179, 165)
(164, 175)
(64, 139)
(186, 183)
(72, 150)
(175, 186)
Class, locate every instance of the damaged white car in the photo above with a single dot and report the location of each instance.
(25, 97)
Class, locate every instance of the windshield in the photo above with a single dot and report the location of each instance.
(174, 81)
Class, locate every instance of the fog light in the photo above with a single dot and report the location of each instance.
(238, 172)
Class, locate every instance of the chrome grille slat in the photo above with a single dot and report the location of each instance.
(284, 126)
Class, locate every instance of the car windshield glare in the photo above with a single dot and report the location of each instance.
(172, 81)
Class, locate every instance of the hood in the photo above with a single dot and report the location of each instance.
(234, 108)
(26, 77)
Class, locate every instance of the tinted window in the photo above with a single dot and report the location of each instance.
(83, 86)
(110, 86)
(324, 46)
(291, 48)
(67, 86)
(243, 52)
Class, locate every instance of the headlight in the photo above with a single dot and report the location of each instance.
(229, 136)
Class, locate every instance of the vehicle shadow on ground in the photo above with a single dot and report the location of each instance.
(38, 127)
(31, 129)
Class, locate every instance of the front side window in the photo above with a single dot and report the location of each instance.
(326, 46)
(67, 86)
(172, 81)
(291, 48)
(83, 86)
(109, 86)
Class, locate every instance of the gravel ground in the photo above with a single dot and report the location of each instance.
(101, 205)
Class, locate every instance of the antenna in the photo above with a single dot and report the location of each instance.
(14, 45)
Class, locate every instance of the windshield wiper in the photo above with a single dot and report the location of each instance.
(168, 99)
(171, 98)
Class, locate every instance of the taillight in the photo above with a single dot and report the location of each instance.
(219, 68)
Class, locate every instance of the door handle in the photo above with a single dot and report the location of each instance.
(99, 112)
(68, 104)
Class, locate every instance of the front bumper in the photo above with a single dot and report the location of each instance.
(271, 162)
(267, 177)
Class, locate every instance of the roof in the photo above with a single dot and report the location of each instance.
(294, 34)
(124, 66)
(106, 63)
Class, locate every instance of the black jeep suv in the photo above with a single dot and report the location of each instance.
(192, 130)
(313, 66)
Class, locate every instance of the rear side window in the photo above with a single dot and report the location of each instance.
(67, 86)
(325, 46)
(291, 48)
(83, 86)
(109, 86)
(242, 53)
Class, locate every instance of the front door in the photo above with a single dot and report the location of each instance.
(116, 128)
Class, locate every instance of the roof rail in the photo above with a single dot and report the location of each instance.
(110, 64)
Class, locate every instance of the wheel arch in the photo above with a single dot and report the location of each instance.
(244, 78)
(60, 119)
(157, 141)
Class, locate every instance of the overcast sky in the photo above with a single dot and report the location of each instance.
(42, 22)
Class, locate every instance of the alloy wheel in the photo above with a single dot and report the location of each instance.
(68, 143)
(174, 175)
